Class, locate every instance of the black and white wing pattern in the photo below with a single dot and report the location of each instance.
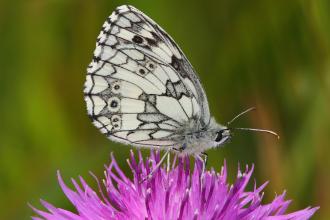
(140, 88)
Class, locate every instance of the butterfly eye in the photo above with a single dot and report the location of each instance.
(219, 136)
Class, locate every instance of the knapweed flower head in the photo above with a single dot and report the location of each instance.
(173, 192)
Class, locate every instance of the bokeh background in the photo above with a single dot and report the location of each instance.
(270, 54)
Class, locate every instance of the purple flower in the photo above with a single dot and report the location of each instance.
(177, 193)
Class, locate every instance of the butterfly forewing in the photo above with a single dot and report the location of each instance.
(140, 88)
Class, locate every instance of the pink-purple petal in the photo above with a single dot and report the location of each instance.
(180, 193)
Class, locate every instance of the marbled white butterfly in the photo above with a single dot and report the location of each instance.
(141, 90)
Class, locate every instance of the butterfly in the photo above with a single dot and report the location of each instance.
(141, 90)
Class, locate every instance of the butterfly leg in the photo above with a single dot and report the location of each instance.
(199, 157)
(156, 167)
(184, 146)
(180, 149)
(204, 160)
(206, 156)
(168, 162)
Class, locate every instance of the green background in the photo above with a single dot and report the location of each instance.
(265, 53)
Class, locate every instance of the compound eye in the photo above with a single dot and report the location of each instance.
(219, 136)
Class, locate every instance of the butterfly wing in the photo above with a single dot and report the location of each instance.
(140, 88)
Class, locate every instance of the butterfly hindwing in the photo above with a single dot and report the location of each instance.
(140, 88)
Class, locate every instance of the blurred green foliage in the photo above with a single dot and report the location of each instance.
(270, 54)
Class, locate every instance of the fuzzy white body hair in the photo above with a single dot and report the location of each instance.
(196, 140)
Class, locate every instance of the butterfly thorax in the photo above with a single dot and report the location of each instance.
(195, 139)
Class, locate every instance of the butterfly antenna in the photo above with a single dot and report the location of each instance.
(258, 130)
(250, 129)
(240, 114)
